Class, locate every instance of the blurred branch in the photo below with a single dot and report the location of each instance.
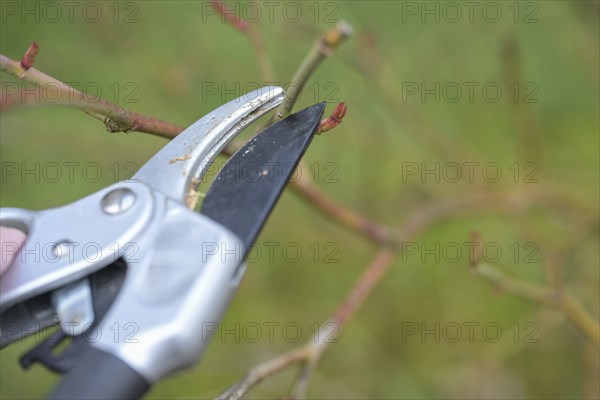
(527, 131)
(253, 33)
(265, 370)
(323, 47)
(559, 254)
(344, 215)
(230, 16)
(390, 242)
(410, 120)
(309, 354)
(114, 117)
(266, 66)
(558, 299)
(423, 218)
(363, 287)
(512, 203)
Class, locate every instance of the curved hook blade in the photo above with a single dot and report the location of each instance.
(181, 164)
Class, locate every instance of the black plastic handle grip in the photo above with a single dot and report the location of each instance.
(101, 375)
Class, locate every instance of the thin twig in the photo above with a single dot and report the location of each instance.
(115, 118)
(344, 215)
(311, 352)
(229, 16)
(363, 287)
(266, 67)
(300, 388)
(324, 46)
(423, 218)
(252, 31)
(527, 130)
(264, 370)
(558, 299)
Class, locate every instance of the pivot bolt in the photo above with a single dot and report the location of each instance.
(63, 249)
(118, 201)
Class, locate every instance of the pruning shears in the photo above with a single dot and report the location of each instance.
(134, 256)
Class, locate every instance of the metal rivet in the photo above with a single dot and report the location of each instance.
(63, 249)
(118, 201)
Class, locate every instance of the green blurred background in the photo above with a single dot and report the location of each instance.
(166, 63)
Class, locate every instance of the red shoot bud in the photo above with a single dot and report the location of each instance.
(335, 119)
(29, 57)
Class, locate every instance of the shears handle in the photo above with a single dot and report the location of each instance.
(101, 375)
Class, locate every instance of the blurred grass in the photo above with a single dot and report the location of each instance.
(173, 50)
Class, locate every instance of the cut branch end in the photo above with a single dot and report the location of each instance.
(335, 36)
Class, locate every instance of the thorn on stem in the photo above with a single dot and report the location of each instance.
(230, 16)
(334, 119)
(29, 57)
